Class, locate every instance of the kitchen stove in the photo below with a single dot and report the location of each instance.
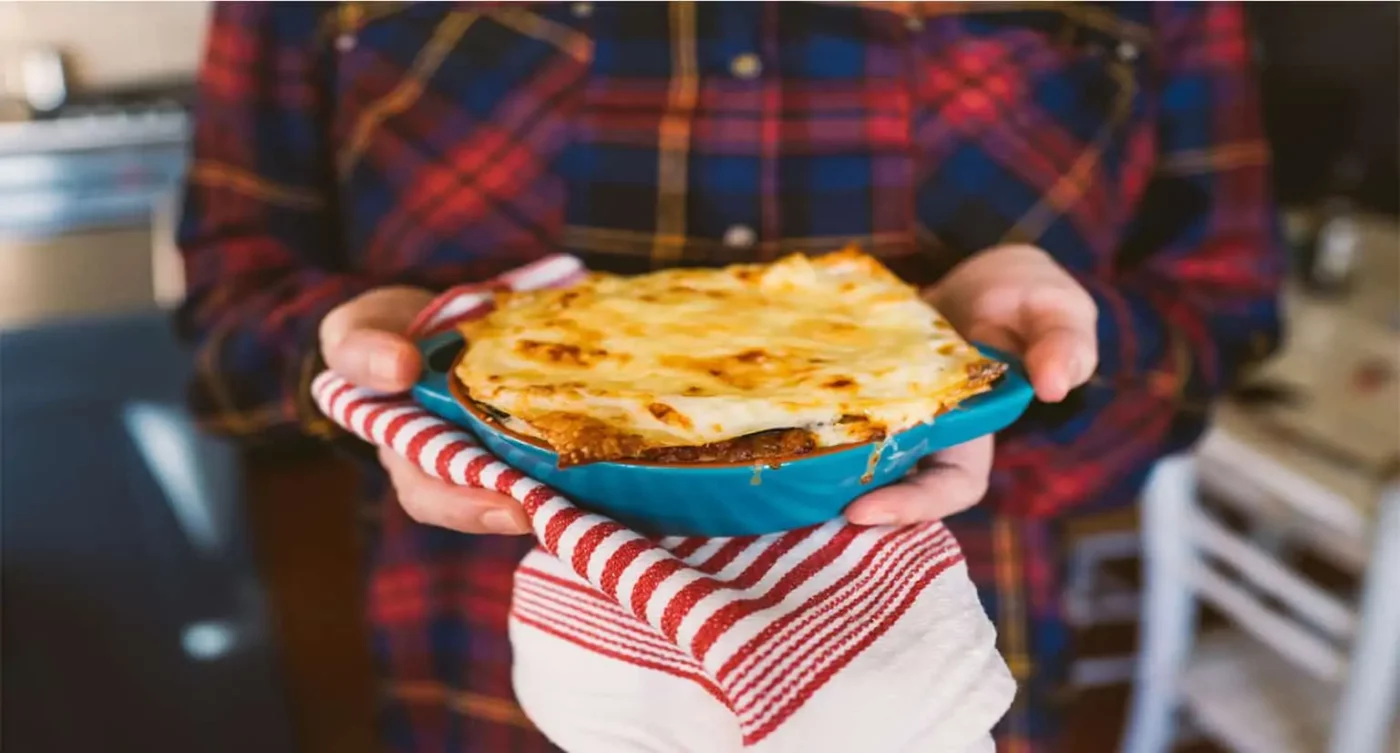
(97, 161)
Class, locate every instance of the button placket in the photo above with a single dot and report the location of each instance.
(740, 46)
(746, 67)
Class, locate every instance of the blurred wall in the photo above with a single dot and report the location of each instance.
(1331, 79)
(105, 45)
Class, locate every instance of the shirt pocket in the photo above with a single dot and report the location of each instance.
(1022, 121)
(447, 121)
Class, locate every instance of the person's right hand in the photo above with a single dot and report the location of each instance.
(363, 340)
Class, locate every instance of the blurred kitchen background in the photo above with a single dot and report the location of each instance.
(160, 595)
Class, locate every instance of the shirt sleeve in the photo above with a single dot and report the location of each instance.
(263, 262)
(1194, 296)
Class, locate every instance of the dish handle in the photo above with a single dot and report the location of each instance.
(432, 390)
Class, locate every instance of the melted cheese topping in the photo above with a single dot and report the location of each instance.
(618, 365)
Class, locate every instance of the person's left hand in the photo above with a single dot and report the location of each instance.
(1020, 300)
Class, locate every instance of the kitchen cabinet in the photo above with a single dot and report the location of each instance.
(107, 271)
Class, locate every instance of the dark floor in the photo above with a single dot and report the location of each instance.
(315, 593)
(1096, 724)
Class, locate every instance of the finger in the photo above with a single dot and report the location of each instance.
(432, 502)
(1058, 361)
(362, 339)
(375, 359)
(955, 480)
(1061, 341)
(389, 309)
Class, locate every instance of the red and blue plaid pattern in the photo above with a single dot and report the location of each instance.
(344, 146)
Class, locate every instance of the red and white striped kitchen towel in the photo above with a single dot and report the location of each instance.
(832, 638)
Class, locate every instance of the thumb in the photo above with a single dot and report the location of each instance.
(363, 339)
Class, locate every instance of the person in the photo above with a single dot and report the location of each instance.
(1086, 185)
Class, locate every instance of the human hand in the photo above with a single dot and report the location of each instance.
(1018, 299)
(364, 341)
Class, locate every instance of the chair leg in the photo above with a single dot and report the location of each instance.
(1371, 696)
(1169, 609)
(1079, 589)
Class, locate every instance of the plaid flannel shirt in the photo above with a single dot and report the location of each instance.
(344, 146)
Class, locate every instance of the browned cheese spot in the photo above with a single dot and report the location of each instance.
(668, 415)
(561, 353)
(985, 372)
(743, 371)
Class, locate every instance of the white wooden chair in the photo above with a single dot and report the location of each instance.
(1299, 668)
(1278, 680)
(1096, 597)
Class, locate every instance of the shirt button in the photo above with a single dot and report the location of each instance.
(1127, 52)
(740, 236)
(581, 10)
(746, 66)
(345, 42)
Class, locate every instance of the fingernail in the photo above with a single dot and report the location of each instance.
(501, 521)
(1053, 389)
(1075, 369)
(384, 367)
(874, 518)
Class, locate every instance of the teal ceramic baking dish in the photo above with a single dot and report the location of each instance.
(734, 499)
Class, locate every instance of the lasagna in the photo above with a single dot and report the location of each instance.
(749, 363)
